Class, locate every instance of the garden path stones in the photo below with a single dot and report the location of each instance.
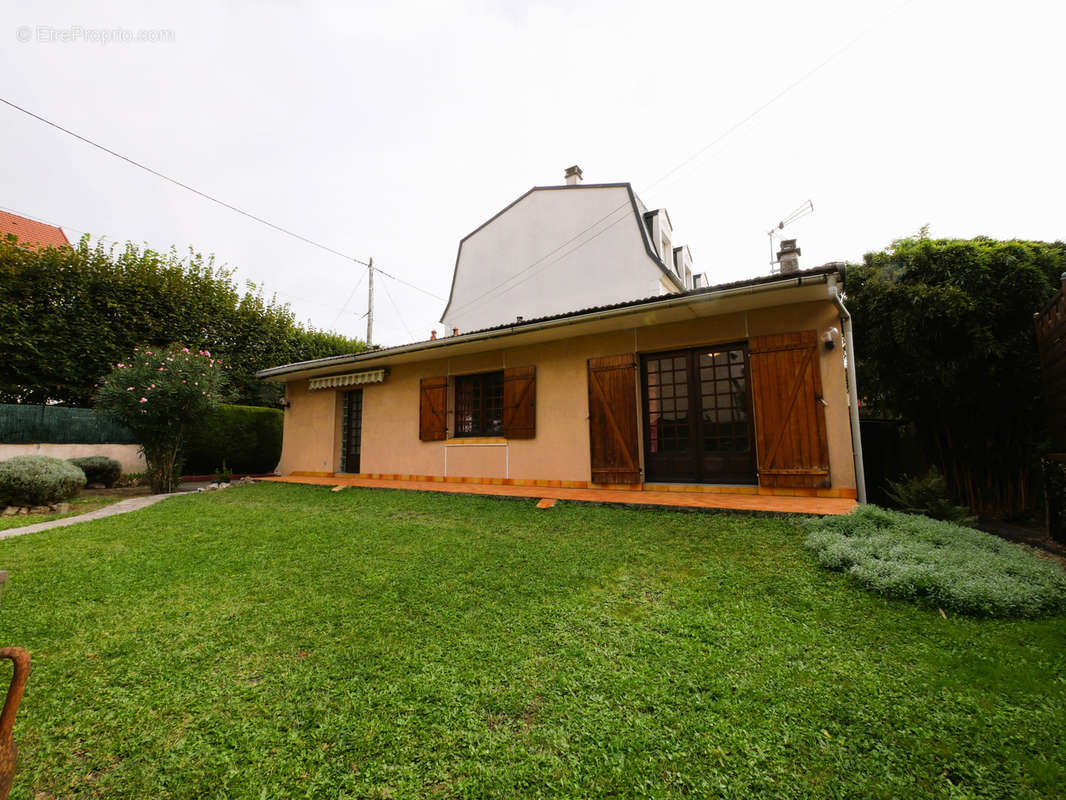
(121, 507)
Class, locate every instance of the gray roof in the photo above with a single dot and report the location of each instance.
(836, 267)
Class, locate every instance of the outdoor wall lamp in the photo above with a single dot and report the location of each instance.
(831, 337)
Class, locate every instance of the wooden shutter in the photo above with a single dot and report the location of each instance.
(520, 402)
(789, 415)
(613, 419)
(433, 410)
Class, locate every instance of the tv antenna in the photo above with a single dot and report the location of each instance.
(804, 210)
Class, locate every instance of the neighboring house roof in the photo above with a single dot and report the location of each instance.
(634, 202)
(32, 232)
(797, 279)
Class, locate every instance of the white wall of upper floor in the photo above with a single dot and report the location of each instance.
(557, 249)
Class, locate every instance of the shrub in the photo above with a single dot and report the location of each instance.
(38, 481)
(245, 438)
(915, 558)
(132, 479)
(98, 469)
(927, 494)
(159, 394)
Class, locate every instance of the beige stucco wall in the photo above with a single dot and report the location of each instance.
(560, 450)
(128, 455)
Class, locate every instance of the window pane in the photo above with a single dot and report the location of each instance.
(464, 406)
(492, 414)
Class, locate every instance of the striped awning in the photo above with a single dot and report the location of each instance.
(351, 379)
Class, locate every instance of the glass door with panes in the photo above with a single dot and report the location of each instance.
(697, 416)
(352, 431)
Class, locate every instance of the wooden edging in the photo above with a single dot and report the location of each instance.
(844, 494)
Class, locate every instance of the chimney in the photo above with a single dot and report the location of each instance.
(455, 331)
(788, 257)
(433, 334)
(573, 175)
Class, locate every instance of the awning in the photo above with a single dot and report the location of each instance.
(351, 379)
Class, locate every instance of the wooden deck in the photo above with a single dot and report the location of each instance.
(647, 497)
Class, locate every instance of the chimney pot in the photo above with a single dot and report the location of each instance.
(788, 256)
(455, 331)
(432, 335)
(573, 175)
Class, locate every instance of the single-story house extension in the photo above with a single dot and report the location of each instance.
(743, 386)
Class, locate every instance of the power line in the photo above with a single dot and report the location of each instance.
(684, 163)
(573, 238)
(100, 239)
(346, 302)
(399, 316)
(176, 182)
(38, 219)
(407, 283)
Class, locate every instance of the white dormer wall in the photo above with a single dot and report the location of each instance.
(682, 261)
(662, 235)
(558, 249)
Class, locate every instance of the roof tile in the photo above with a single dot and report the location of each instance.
(31, 232)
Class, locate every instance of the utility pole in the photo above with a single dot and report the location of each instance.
(370, 305)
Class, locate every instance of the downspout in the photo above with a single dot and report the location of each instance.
(853, 391)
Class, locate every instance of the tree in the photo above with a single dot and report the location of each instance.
(946, 341)
(68, 313)
(158, 394)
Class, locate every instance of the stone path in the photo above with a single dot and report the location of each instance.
(121, 507)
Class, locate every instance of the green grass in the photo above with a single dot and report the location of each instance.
(79, 505)
(286, 641)
(912, 557)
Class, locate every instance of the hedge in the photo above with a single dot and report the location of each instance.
(246, 438)
(98, 469)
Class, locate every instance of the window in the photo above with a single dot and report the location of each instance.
(479, 404)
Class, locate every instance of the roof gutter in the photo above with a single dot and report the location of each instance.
(853, 392)
(527, 327)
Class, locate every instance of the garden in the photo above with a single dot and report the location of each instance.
(280, 640)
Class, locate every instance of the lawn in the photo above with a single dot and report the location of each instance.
(286, 641)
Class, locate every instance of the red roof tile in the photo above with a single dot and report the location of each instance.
(31, 232)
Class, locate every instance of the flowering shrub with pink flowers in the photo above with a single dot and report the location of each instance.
(158, 394)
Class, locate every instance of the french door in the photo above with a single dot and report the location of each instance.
(352, 431)
(698, 416)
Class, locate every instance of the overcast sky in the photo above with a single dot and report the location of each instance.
(392, 131)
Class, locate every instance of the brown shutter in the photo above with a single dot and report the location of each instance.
(613, 419)
(789, 415)
(520, 402)
(432, 410)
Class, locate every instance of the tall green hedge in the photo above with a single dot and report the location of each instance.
(247, 438)
(68, 314)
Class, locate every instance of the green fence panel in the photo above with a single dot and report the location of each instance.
(26, 424)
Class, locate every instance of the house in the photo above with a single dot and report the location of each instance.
(31, 232)
(557, 248)
(741, 386)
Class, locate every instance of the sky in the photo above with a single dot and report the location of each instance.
(392, 130)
